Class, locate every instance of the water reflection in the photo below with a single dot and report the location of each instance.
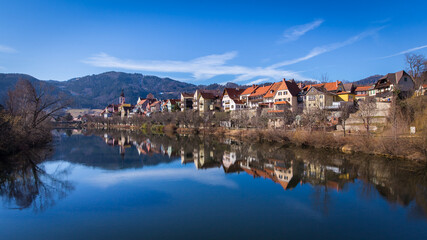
(27, 184)
(24, 183)
(396, 181)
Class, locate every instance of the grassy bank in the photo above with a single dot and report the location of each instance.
(409, 147)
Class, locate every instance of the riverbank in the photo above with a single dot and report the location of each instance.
(408, 147)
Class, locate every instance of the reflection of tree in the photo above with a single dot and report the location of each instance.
(321, 199)
(25, 184)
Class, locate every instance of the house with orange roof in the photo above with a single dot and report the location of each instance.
(287, 96)
(155, 106)
(364, 91)
(269, 97)
(247, 92)
(256, 98)
(231, 99)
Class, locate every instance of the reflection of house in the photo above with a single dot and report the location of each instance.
(230, 163)
(204, 158)
(278, 171)
(186, 156)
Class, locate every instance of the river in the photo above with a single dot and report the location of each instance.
(127, 185)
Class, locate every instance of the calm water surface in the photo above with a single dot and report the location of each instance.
(124, 185)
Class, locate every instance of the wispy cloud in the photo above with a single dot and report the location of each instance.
(6, 49)
(259, 81)
(405, 52)
(201, 68)
(296, 32)
(210, 66)
(209, 177)
(328, 48)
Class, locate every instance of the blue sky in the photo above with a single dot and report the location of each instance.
(206, 42)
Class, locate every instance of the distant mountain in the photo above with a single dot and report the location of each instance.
(369, 80)
(99, 90)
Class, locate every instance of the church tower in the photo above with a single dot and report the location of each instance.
(122, 98)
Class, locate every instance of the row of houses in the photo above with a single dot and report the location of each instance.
(143, 106)
(275, 97)
(288, 95)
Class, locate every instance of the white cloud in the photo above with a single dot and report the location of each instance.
(328, 48)
(6, 49)
(201, 68)
(209, 177)
(296, 32)
(405, 52)
(210, 66)
(258, 81)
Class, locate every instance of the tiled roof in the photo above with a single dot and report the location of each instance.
(275, 111)
(425, 86)
(363, 88)
(142, 101)
(281, 103)
(348, 87)
(273, 90)
(249, 90)
(330, 86)
(187, 94)
(238, 101)
(260, 91)
(291, 86)
(207, 95)
(233, 92)
(393, 77)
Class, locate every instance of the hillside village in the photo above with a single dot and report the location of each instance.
(336, 100)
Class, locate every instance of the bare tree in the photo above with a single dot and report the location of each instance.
(367, 110)
(416, 66)
(345, 110)
(324, 77)
(33, 106)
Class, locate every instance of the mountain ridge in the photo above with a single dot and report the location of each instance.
(99, 90)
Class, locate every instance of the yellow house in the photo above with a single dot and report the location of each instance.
(344, 96)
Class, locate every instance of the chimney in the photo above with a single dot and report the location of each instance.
(337, 83)
(284, 79)
(253, 85)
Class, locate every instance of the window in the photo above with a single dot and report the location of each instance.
(311, 98)
(406, 79)
(280, 93)
(321, 96)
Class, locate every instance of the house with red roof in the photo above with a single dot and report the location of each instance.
(231, 99)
